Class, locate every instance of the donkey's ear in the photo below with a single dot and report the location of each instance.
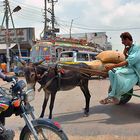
(21, 61)
(38, 63)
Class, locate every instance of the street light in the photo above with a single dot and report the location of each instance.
(6, 17)
(16, 9)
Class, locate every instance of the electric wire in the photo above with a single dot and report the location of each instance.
(64, 29)
(27, 6)
(34, 13)
(101, 29)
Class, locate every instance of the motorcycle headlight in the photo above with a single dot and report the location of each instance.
(30, 95)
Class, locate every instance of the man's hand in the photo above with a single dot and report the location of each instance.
(110, 67)
(10, 78)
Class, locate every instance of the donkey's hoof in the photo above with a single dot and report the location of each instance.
(86, 115)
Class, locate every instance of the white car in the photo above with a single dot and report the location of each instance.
(76, 56)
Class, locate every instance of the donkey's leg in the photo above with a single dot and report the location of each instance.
(52, 104)
(46, 98)
(85, 90)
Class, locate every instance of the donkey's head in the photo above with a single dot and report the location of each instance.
(31, 73)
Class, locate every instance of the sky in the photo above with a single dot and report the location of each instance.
(110, 16)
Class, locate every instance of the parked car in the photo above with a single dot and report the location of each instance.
(73, 57)
(76, 56)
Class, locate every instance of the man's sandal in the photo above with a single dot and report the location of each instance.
(109, 100)
(104, 101)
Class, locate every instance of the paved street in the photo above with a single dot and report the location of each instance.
(116, 120)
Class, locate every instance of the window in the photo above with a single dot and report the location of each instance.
(66, 57)
(92, 57)
(82, 57)
(69, 54)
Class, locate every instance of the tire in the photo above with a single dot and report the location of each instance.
(50, 133)
(125, 97)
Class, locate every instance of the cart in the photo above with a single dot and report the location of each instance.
(124, 98)
(83, 70)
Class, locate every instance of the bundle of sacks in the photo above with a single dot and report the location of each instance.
(106, 58)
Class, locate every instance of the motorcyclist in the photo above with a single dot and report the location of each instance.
(5, 77)
(6, 134)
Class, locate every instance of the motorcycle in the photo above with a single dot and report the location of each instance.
(16, 100)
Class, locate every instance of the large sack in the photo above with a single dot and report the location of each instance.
(95, 65)
(110, 56)
(98, 65)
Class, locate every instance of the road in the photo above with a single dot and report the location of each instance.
(111, 120)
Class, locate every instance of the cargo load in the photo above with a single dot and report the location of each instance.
(110, 56)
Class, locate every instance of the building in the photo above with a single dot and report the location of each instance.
(97, 39)
(22, 43)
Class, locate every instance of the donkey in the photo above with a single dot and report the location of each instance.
(53, 79)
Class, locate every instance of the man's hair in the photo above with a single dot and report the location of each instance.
(126, 35)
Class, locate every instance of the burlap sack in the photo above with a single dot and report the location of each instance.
(95, 65)
(110, 56)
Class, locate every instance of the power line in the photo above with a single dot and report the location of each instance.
(66, 30)
(22, 17)
(34, 10)
(102, 29)
(84, 27)
(28, 6)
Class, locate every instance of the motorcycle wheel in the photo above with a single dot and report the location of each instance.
(44, 133)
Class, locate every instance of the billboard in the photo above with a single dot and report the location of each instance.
(24, 35)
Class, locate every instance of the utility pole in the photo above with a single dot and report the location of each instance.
(15, 33)
(52, 16)
(6, 18)
(45, 23)
(7, 36)
(71, 27)
(53, 29)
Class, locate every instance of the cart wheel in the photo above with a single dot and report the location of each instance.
(125, 97)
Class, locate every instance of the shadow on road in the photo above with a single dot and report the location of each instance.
(117, 114)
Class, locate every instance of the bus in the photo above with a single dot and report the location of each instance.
(43, 49)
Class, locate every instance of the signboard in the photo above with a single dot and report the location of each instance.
(23, 35)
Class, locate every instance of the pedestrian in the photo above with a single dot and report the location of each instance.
(124, 75)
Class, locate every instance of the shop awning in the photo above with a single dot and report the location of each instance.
(3, 46)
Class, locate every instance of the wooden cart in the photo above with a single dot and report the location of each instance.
(87, 71)
(125, 97)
